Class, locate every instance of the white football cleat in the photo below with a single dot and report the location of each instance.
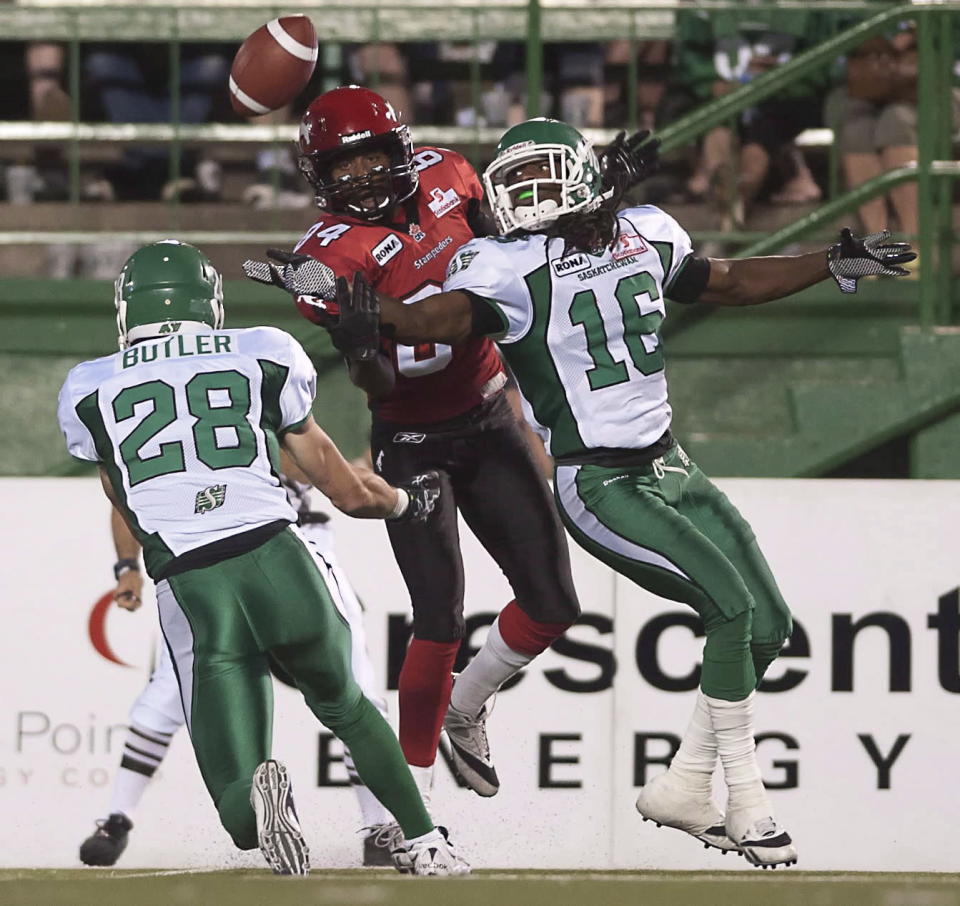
(471, 751)
(379, 843)
(763, 842)
(278, 829)
(432, 855)
(667, 804)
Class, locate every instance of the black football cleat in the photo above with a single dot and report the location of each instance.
(107, 843)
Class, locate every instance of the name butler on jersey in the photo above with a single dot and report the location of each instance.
(408, 260)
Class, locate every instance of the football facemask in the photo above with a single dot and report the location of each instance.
(165, 288)
(544, 170)
(349, 120)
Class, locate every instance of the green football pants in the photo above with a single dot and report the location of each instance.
(219, 622)
(666, 527)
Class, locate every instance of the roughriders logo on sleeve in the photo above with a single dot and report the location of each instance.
(386, 249)
(442, 201)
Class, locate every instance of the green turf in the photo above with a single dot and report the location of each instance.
(485, 888)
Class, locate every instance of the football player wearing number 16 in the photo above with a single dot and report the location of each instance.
(396, 215)
(574, 294)
(185, 423)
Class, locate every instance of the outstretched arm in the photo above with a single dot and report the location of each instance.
(440, 318)
(751, 281)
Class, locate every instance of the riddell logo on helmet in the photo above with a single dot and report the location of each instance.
(571, 264)
(355, 137)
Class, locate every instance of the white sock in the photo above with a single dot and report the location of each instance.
(733, 727)
(492, 666)
(697, 756)
(128, 788)
(372, 812)
(423, 777)
(428, 837)
(143, 750)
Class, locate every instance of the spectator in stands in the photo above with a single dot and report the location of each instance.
(132, 86)
(384, 68)
(578, 82)
(874, 115)
(653, 75)
(441, 74)
(716, 52)
(40, 174)
(278, 185)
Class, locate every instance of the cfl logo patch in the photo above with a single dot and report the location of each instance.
(409, 437)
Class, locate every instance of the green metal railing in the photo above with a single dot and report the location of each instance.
(539, 21)
(935, 171)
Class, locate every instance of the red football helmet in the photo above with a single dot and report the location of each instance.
(341, 123)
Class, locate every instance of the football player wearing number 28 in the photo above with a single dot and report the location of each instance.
(573, 291)
(397, 215)
(185, 424)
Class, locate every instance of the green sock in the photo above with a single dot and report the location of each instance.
(382, 767)
(728, 671)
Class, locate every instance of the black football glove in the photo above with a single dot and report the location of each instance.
(852, 258)
(310, 282)
(424, 492)
(628, 161)
(356, 333)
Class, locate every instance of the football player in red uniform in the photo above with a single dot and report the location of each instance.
(396, 215)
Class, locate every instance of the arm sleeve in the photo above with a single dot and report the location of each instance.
(483, 271)
(691, 279)
(80, 443)
(299, 389)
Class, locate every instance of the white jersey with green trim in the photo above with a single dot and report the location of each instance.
(186, 427)
(581, 331)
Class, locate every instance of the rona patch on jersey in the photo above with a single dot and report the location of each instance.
(571, 264)
(210, 498)
(386, 249)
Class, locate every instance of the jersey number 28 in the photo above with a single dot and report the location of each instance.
(216, 400)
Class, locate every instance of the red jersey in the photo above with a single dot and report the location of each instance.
(434, 382)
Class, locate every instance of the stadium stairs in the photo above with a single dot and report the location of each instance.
(818, 385)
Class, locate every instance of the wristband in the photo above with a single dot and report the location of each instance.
(403, 501)
(124, 565)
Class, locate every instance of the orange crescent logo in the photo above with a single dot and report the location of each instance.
(97, 629)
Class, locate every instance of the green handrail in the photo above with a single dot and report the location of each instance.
(935, 51)
(698, 121)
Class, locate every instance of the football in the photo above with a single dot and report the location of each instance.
(273, 65)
